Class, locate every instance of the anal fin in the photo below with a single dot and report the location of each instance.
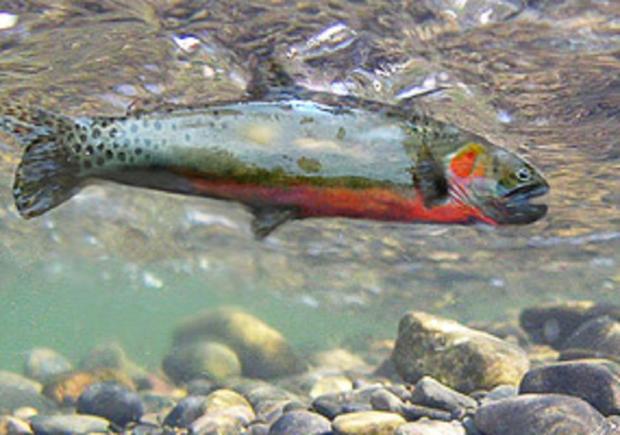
(267, 219)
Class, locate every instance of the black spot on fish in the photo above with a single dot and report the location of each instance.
(216, 113)
(100, 161)
(158, 125)
(87, 164)
(77, 148)
(147, 142)
(96, 133)
(113, 132)
(131, 159)
(122, 156)
(116, 145)
(109, 154)
(89, 150)
(187, 137)
(83, 138)
(100, 147)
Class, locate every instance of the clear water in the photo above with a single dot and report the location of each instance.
(125, 264)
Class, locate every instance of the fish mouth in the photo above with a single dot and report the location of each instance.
(515, 208)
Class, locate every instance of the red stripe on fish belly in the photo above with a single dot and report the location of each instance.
(314, 201)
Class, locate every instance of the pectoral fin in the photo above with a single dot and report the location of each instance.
(267, 219)
(429, 177)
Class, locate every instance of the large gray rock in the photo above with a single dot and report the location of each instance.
(457, 356)
(553, 323)
(595, 381)
(263, 351)
(535, 414)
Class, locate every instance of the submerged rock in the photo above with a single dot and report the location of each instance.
(112, 356)
(210, 360)
(300, 422)
(263, 351)
(186, 411)
(15, 394)
(338, 359)
(68, 424)
(330, 384)
(460, 357)
(45, 364)
(14, 426)
(19, 381)
(429, 392)
(595, 381)
(554, 323)
(66, 389)
(111, 401)
(596, 338)
(535, 414)
(368, 423)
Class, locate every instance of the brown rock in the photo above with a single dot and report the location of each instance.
(459, 357)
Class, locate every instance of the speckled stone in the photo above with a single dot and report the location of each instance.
(111, 401)
(368, 423)
(461, 358)
(595, 381)
(536, 414)
(45, 364)
(68, 424)
(210, 360)
(300, 422)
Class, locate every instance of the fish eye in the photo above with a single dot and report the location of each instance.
(524, 174)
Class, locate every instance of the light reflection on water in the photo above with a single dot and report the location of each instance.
(543, 81)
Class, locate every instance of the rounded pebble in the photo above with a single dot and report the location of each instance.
(111, 401)
(300, 422)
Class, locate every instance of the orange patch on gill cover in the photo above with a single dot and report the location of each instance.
(466, 162)
(381, 204)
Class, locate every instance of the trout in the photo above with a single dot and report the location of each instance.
(292, 155)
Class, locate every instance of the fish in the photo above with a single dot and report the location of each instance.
(286, 154)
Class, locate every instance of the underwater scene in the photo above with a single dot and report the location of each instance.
(310, 217)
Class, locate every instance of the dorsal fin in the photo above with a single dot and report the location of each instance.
(270, 80)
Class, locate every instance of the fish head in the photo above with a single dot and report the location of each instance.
(497, 181)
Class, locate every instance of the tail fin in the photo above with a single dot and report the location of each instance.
(48, 174)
